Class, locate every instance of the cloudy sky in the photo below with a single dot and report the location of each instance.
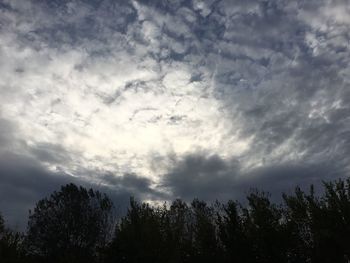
(175, 98)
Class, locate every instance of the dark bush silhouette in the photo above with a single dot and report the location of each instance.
(73, 225)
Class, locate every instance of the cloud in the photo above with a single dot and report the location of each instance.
(24, 181)
(137, 186)
(201, 176)
(195, 97)
(30, 172)
(209, 177)
(91, 95)
(6, 132)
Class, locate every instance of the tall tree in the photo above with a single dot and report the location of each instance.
(333, 223)
(299, 225)
(205, 239)
(180, 232)
(263, 229)
(139, 236)
(231, 233)
(69, 226)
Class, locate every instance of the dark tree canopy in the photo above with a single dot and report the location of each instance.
(69, 226)
(73, 225)
(304, 228)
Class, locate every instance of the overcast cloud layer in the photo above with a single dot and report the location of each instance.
(180, 99)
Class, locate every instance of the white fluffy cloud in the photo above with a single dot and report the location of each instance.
(112, 104)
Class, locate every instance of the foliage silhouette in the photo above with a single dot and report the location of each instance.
(74, 225)
(69, 226)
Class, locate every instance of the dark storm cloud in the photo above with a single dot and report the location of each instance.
(23, 182)
(210, 178)
(284, 177)
(198, 175)
(134, 185)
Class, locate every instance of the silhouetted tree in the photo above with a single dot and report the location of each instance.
(331, 223)
(180, 232)
(10, 245)
(73, 224)
(69, 226)
(262, 222)
(205, 238)
(319, 226)
(139, 236)
(231, 233)
(299, 220)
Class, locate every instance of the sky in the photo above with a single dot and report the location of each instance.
(171, 99)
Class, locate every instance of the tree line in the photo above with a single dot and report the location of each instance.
(76, 224)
